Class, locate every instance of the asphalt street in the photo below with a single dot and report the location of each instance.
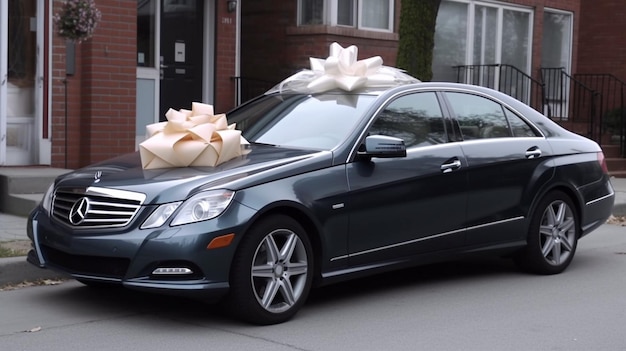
(469, 305)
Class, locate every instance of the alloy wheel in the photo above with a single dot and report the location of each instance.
(279, 271)
(557, 232)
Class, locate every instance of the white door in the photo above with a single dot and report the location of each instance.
(21, 81)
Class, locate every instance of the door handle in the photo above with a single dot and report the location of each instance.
(164, 66)
(451, 165)
(533, 152)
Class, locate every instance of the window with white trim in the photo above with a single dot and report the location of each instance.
(473, 32)
(374, 15)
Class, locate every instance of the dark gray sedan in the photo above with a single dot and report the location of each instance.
(336, 185)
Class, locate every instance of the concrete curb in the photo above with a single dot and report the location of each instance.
(15, 270)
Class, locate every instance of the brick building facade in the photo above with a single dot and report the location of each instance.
(94, 112)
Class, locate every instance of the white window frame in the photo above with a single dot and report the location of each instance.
(564, 109)
(330, 14)
(389, 19)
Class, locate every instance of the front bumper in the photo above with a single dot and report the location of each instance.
(129, 256)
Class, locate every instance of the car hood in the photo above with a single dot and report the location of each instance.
(264, 163)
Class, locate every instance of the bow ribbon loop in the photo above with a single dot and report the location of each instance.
(193, 137)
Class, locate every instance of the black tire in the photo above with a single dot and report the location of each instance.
(552, 236)
(272, 271)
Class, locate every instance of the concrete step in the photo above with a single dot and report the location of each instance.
(617, 174)
(611, 151)
(616, 164)
(22, 188)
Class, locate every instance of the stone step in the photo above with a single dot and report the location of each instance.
(22, 188)
(616, 164)
(611, 151)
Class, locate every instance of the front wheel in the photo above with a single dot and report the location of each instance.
(272, 271)
(552, 237)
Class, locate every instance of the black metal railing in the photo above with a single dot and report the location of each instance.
(611, 110)
(570, 100)
(249, 88)
(507, 79)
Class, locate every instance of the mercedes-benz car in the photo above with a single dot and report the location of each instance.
(335, 185)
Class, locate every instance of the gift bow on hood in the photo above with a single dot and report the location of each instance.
(193, 137)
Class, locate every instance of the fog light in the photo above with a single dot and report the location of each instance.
(172, 271)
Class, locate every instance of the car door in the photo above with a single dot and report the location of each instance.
(413, 204)
(507, 163)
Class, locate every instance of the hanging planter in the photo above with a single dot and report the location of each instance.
(77, 20)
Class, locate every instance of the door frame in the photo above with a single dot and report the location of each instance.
(4, 51)
(37, 154)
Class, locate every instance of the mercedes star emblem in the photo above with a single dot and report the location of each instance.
(79, 211)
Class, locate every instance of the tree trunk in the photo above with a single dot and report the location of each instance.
(417, 37)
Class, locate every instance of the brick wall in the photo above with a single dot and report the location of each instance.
(602, 40)
(225, 53)
(98, 121)
(274, 47)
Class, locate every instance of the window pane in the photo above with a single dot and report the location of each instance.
(22, 45)
(515, 52)
(478, 117)
(146, 10)
(555, 50)
(485, 21)
(519, 126)
(415, 118)
(320, 121)
(345, 12)
(311, 12)
(450, 40)
(375, 14)
(515, 39)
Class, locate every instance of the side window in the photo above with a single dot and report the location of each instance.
(519, 126)
(415, 118)
(478, 117)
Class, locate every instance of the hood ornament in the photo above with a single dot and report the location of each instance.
(97, 176)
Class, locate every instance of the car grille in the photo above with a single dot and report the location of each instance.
(108, 267)
(95, 207)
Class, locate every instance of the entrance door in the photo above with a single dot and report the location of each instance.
(19, 24)
(181, 59)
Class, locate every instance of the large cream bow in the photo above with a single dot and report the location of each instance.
(342, 70)
(191, 138)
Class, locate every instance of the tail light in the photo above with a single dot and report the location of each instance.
(602, 162)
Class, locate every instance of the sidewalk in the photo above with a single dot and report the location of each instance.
(13, 228)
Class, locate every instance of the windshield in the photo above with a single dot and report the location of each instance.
(321, 121)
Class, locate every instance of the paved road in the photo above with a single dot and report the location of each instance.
(471, 305)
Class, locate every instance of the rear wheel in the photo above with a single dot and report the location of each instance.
(272, 272)
(553, 235)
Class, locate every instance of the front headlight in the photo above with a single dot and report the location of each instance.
(46, 201)
(203, 206)
(160, 215)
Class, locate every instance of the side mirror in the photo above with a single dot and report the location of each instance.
(383, 146)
